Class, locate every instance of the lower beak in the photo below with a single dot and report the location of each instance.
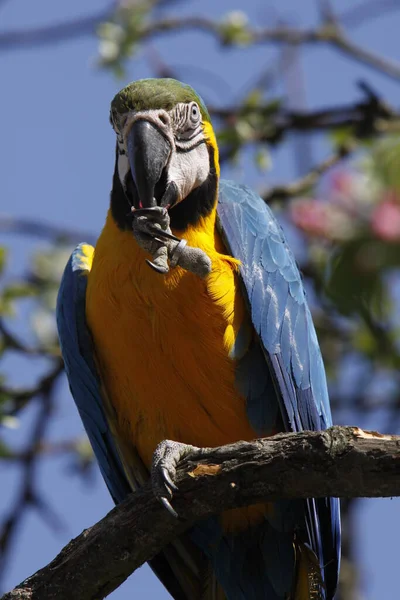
(148, 154)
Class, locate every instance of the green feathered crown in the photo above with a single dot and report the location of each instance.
(147, 94)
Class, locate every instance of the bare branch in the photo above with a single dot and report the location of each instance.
(342, 461)
(326, 12)
(46, 231)
(11, 342)
(328, 33)
(59, 32)
(356, 15)
(379, 63)
(27, 494)
(302, 185)
(22, 396)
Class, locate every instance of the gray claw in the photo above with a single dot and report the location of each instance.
(168, 479)
(162, 270)
(168, 506)
(157, 231)
(165, 460)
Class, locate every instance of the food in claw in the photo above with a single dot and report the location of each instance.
(151, 229)
(160, 364)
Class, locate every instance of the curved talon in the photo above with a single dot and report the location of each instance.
(168, 506)
(160, 232)
(162, 270)
(168, 479)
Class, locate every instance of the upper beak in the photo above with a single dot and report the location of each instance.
(148, 154)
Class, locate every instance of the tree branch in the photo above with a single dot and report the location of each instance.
(330, 34)
(357, 15)
(302, 185)
(51, 34)
(368, 118)
(47, 231)
(28, 494)
(342, 461)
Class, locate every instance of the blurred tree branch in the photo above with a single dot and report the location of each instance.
(28, 496)
(44, 231)
(304, 184)
(55, 33)
(364, 11)
(329, 33)
(342, 461)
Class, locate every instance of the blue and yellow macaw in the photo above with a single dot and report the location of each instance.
(188, 322)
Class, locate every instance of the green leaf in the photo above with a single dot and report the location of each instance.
(120, 37)
(253, 99)
(342, 136)
(18, 290)
(5, 451)
(234, 29)
(385, 157)
(3, 258)
(263, 159)
(356, 275)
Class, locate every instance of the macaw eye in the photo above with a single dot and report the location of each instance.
(194, 113)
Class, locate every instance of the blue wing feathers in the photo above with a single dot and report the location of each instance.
(255, 383)
(275, 291)
(82, 375)
(279, 552)
(283, 322)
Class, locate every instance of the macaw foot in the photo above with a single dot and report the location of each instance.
(163, 471)
(151, 228)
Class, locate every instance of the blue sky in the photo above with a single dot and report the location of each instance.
(57, 157)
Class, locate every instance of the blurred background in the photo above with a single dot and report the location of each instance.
(304, 96)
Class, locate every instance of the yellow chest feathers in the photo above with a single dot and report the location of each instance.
(163, 342)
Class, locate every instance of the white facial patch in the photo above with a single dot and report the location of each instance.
(189, 169)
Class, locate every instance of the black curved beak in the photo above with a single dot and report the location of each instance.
(148, 154)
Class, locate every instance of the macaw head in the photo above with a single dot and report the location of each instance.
(167, 154)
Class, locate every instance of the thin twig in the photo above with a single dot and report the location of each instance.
(56, 33)
(21, 397)
(38, 229)
(329, 34)
(357, 15)
(28, 495)
(302, 185)
(11, 342)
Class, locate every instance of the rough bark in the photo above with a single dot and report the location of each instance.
(342, 461)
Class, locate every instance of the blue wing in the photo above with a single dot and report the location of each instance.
(84, 382)
(287, 337)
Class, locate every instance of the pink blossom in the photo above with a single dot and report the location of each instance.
(322, 219)
(385, 220)
(351, 190)
(342, 182)
(310, 216)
